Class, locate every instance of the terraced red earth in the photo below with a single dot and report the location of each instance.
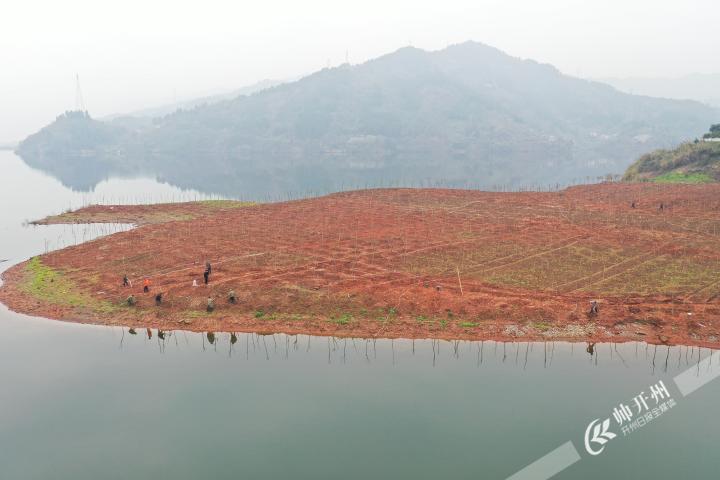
(403, 263)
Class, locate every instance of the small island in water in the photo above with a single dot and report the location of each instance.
(604, 262)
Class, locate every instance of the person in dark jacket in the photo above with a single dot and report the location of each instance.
(206, 273)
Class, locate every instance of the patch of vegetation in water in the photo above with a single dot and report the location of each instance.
(47, 284)
(680, 177)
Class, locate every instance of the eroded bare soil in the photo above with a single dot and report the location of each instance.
(403, 263)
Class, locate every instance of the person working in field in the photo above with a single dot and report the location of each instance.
(594, 308)
(210, 305)
(206, 273)
(146, 285)
(126, 281)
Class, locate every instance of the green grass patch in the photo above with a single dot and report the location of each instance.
(343, 319)
(224, 204)
(700, 157)
(388, 315)
(680, 177)
(469, 324)
(663, 275)
(51, 286)
(447, 260)
(541, 326)
(561, 267)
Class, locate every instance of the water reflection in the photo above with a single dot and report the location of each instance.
(72, 172)
(231, 404)
(432, 352)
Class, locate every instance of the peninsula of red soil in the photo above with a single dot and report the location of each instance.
(410, 263)
(143, 214)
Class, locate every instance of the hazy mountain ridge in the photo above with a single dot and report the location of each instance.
(466, 114)
(697, 86)
(188, 104)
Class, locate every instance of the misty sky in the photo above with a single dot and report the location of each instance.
(133, 54)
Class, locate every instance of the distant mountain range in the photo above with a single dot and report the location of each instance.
(165, 109)
(465, 115)
(700, 87)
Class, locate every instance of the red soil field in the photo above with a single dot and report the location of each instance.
(404, 263)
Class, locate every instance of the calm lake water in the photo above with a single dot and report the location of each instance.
(83, 402)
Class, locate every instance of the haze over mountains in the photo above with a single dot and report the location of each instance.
(465, 115)
(700, 87)
(168, 108)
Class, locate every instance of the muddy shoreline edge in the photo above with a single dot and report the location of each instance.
(591, 331)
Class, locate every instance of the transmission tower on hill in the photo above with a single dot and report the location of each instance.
(79, 102)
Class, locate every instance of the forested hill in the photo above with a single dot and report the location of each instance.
(691, 162)
(469, 114)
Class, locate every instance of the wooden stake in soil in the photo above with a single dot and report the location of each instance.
(457, 269)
